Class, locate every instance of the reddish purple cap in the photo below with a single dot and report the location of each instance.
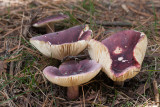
(64, 43)
(72, 73)
(50, 19)
(121, 54)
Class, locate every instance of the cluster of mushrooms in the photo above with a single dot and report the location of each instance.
(120, 55)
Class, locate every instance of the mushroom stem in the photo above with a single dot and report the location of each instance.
(119, 83)
(50, 27)
(73, 92)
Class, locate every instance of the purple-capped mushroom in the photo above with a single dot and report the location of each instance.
(48, 22)
(71, 74)
(121, 54)
(68, 42)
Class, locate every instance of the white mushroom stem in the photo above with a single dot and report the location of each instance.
(119, 83)
(73, 92)
(50, 28)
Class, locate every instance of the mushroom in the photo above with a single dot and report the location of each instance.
(49, 21)
(71, 74)
(64, 43)
(121, 55)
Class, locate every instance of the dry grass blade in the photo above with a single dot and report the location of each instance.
(17, 28)
(156, 93)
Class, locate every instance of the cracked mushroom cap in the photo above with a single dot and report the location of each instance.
(68, 42)
(121, 54)
(50, 19)
(71, 73)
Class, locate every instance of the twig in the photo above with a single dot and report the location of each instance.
(100, 5)
(138, 12)
(147, 20)
(125, 8)
(116, 23)
(14, 48)
(40, 72)
(95, 98)
(120, 92)
(105, 23)
(19, 43)
(3, 67)
(156, 93)
(83, 97)
(11, 68)
(100, 31)
(17, 28)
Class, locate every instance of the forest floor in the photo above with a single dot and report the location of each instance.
(22, 83)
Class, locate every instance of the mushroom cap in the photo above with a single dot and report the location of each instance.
(121, 54)
(50, 19)
(71, 73)
(68, 42)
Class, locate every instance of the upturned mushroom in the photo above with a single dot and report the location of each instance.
(49, 22)
(71, 74)
(121, 55)
(64, 43)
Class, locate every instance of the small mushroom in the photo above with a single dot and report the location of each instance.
(71, 74)
(121, 55)
(49, 21)
(68, 42)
